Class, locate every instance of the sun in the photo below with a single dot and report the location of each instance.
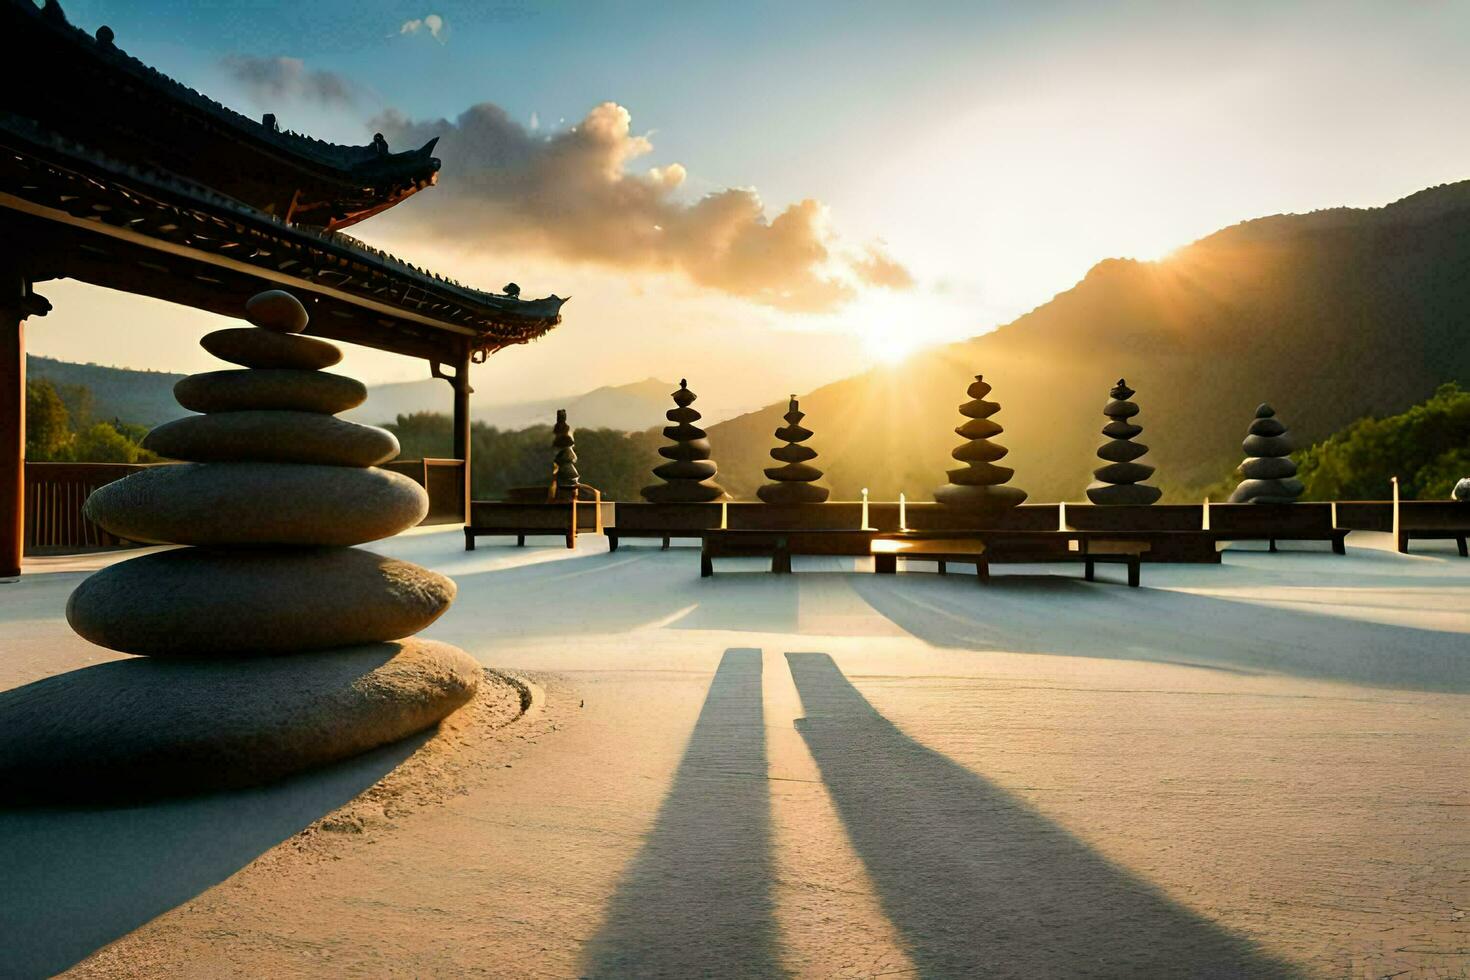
(888, 346)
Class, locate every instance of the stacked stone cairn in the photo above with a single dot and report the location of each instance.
(977, 488)
(269, 645)
(564, 463)
(689, 476)
(1268, 473)
(795, 481)
(1121, 480)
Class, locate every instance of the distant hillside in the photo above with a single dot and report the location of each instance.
(142, 397)
(629, 407)
(1329, 316)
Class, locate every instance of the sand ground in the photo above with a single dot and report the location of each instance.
(1256, 769)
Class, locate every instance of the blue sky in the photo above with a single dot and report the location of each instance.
(996, 151)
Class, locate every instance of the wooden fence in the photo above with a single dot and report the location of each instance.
(55, 493)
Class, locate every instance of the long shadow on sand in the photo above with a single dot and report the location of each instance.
(1054, 615)
(978, 883)
(75, 879)
(696, 901)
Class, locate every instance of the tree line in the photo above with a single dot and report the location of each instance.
(60, 427)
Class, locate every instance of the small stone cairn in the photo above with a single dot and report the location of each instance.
(794, 482)
(689, 476)
(1269, 475)
(977, 487)
(564, 463)
(271, 645)
(1121, 480)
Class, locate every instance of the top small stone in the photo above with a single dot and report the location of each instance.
(1264, 411)
(276, 310)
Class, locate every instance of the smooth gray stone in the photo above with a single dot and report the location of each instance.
(793, 433)
(276, 309)
(684, 415)
(1110, 494)
(682, 492)
(979, 451)
(1123, 473)
(1268, 468)
(1120, 409)
(980, 474)
(1267, 491)
(793, 453)
(257, 504)
(1268, 445)
(1121, 451)
(1121, 430)
(693, 449)
(1461, 490)
(684, 432)
(793, 473)
(792, 493)
(260, 388)
(978, 429)
(257, 348)
(1266, 427)
(979, 409)
(979, 500)
(686, 469)
(144, 727)
(197, 602)
(281, 437)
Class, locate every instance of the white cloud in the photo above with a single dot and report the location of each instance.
(431, 23)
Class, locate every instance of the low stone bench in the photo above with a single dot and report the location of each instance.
(520, 521)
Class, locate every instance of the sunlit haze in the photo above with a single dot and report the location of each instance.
(990, 153)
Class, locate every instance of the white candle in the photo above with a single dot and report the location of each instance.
(1062, 516)
(865, 508)
(903, 519)
(1334, 514)
(1206, 518)
(724, 515)
(1395, 509)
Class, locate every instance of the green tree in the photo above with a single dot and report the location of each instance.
(102, 442)
(48, 424)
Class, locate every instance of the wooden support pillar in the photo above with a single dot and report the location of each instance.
(17, 302)
(460, 382)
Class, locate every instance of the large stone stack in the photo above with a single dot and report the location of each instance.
(977, 487)
(689, 476)
(274, 644)
(1268, 473)
(1121, 480)
(795, 481)
(564, 463)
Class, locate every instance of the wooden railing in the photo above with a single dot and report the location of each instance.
(55, 493)
(444, 479)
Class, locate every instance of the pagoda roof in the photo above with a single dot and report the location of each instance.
(87, 89)
(114, 174)
(75, 213)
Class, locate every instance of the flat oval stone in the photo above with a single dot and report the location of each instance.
(793, 473)
(258, 348)
(1268, 445)
(685, 469)
(1267, 491)
(1120, 409)
(792, 493)
(682, 492)
(981, 474)
(1268, 468)
(1121, 430)
(280, 437)
(1123, 494)
(271, 388)
(198, 602)
(144, 727)
(1121, 451)
(257, 504)
(979, 500)
(276, 309)
(1266, 427)
(1123, 472)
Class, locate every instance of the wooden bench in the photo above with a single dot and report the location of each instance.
(505, 519)
(661, 522)
(1434, 520)
(779, 545)
(1306, 521)
(982, 551)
